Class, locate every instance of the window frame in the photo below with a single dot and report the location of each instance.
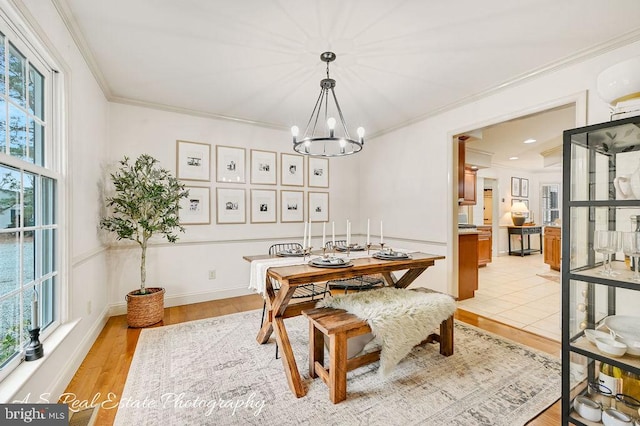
(25, 39)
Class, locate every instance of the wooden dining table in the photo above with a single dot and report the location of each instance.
(293, 276)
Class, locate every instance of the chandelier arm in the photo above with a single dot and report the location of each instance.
(344, 124)
(316, 112)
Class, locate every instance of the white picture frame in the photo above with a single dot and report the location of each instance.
(193, 161)
(318, 172)
(195, 209)
(263, 167)
(264, 206)
(230, 164)
(291, 206)
(291, 170)
(318, 206)
(231, 206)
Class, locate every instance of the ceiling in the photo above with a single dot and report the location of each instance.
(505, 143)
(397, 61)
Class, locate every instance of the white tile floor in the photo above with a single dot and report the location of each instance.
(511, 291)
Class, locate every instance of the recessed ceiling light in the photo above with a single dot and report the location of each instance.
(513, 158)
(530, 140)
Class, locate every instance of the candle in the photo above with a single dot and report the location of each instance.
(348, 233)
(304, 236)
(333, 233)
(381, 237)
(368, 227)
(309, 240)
(323, 233)
(34, 313)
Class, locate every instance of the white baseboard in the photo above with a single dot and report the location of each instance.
(187, 299)
(75, 359)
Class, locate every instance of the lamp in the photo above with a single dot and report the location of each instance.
(329, 144)
(519, 212)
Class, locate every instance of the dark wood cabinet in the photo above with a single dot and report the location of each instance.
(466, 179)
(467, 264)
(485, 241)
(552, 247)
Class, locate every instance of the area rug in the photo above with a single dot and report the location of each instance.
(551, 276)
(213, 371)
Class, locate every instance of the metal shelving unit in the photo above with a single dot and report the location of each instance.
(594, 158)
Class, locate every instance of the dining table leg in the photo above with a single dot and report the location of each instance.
(288, 360)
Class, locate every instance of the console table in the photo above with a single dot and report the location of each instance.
(522, 232)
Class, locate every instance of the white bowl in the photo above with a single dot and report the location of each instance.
(611, 347)
(633, 346)
(626, 326)
(587, 408)
(591, 335)
(613, 417)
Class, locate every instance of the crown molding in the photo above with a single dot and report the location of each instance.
(63, 9)
(193, 112)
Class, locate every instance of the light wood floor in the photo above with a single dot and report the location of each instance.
(104, 370)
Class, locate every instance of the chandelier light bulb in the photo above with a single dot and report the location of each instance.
(343, 143)
(294, 131)
(331, 122)
(360, 132)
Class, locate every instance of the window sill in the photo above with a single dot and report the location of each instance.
(11, 385)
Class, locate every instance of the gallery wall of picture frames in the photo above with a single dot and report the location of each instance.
(235, 168)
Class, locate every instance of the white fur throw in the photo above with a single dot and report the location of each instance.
(399, 318)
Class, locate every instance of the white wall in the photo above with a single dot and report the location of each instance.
(183, 268)
(413, 165)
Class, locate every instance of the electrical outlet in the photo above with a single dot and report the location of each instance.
(212, 274)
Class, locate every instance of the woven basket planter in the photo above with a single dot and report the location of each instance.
(145, 309)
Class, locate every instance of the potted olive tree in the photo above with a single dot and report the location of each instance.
(146, 203)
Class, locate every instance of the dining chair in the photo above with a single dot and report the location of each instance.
(359, 283)
(307, 291)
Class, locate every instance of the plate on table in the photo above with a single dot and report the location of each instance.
(291, 253)
(390, 255)
(353, 248)
(330, 262)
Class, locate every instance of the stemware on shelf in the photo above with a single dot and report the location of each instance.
(607, 243)
(631, 248)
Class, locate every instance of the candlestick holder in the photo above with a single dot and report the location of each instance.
(368, 248)
(324, 252)
(382, 247)
(307, 252)
(34, 349)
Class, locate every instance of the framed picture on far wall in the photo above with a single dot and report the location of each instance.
(194, 210)
(291, 170)
(291, 206)
(318, 206)
(318, 172)
(515, 187)
(263, 167)
(230, 205)
(230, 164)
(263, 206)
(524, 188)
(193, 161)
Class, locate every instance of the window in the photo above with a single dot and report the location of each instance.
(29, 182)
(550, 203)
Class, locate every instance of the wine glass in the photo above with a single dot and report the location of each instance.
(631, 248)
(607, 243)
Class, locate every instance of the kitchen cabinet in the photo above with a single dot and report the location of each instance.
(552, 247)
(485, 241)
(596, 159)
(467, 264)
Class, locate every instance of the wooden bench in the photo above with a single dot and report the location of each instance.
(339, 325)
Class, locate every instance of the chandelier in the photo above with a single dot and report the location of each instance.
(330, 143)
